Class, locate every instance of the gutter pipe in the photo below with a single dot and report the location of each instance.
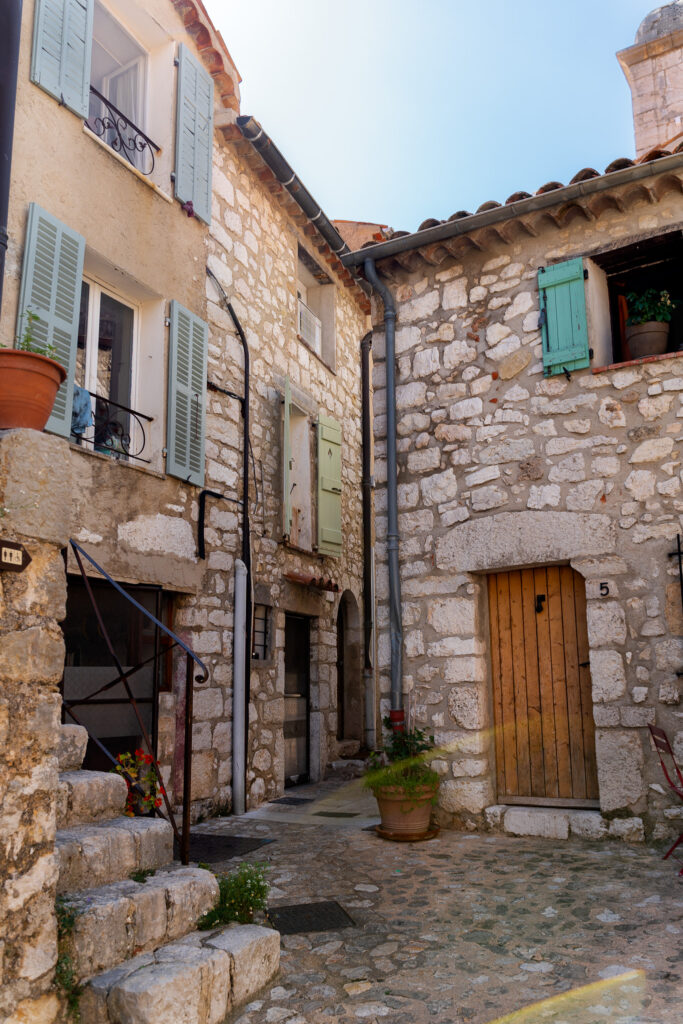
(368, 549)
(557, 197)
(239, 704)
(9, 65)
(246, 530)
(397, 714)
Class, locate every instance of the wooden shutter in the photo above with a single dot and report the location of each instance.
(51, 281)
(563, 317)
(62, 45)
(329, 487)
(287, 461)
(186, 424)
(194, 134)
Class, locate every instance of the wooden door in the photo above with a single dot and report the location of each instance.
(297, 705)
(543, 708)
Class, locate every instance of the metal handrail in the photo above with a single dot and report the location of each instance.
(182, 836)
(128, 138)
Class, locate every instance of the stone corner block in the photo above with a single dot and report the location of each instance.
(457, 796)
(36, 485)
(620, 768)
(537, 821)
(73, 740)
(587, 824)
(255, 954)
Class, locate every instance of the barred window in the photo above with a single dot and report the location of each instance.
(261, 632)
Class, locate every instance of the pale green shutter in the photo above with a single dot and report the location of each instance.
(287, 461)
(563, 317)
(51, 280)
(186, 423)
(62, 46)
(194, 134)
(329, 487)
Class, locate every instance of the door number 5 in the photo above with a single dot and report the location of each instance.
(604, 589)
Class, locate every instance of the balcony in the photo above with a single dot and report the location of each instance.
(119, 133)
(310, 328)
(113, 430)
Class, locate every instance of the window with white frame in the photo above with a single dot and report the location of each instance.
(105, 369)
(315, 308)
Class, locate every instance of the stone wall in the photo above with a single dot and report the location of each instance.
(34, 501)
(500, 468)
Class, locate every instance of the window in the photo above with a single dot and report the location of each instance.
(584, 302)
(298, 477)
(316, 309)
(260, 648)
(105, 368)
(118, 81)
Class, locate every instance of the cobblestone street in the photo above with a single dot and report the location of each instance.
(464, 929)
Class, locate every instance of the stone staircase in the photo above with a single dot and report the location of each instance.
(134, 946)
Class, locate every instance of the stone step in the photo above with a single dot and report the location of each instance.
(196, 980)
(99, 854)
(84, 797)
(116, 922)
(73, 739)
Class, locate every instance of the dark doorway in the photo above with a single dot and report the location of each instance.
(349, 677)
(340, 675)
(88, 665)
(297, 703)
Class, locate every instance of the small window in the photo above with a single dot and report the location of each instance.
(316, 309)
(261, 632)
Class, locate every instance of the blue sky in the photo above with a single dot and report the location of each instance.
(395, 111)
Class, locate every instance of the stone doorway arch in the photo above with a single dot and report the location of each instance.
(350, 712)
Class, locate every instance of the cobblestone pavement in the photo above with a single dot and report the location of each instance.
(465, 929)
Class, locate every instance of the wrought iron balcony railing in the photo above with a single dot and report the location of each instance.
(118, 131)
(115, 430)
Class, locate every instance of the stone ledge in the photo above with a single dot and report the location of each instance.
(94, 855)
(84, 797)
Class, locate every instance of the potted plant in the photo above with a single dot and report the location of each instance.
(404, 785)
(29, 380)
(647, 326)
(144, 789)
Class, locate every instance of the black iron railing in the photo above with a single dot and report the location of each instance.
(118, 131)
(115, 429)
(192, 662)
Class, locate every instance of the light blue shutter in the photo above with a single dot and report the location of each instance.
(51, 280)
(194, 134)
(287, 461)
(62, 46)
(563, 317)
(186, 424)
(329, 487)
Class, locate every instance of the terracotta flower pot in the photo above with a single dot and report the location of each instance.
(28, 388)
(648, 339)
(405, 817)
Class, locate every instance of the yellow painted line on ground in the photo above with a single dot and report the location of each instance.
(575, 996)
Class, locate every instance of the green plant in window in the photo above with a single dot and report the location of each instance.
(652, 304)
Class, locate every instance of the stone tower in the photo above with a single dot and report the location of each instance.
(654, 70)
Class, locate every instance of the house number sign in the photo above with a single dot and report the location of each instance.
(13, 557)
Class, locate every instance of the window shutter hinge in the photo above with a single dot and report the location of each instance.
(167, 321)
(585, 274)
(176, 62)
(164, 452)
(591, 353)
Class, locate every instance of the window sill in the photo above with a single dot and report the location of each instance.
(133, 170)
(314, 353)
(89, 453)
(637, 362)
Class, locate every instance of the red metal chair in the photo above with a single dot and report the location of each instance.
(663, 747)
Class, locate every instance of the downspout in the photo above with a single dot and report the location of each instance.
(368, 549)
(397, 714)
(9, 65)
(246, 530)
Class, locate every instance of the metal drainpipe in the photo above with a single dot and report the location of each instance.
(368, 549)
(9, 64)
(397, 714)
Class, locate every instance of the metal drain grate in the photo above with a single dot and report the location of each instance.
(293, 800)
(328, 916)
(335, 814)
(211, 849)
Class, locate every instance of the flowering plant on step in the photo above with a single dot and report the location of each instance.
(144, 787)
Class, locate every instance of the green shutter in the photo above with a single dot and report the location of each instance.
(329, 487)
(194, 134)
(186, 423)
(287, 461)
(62, 45)
(563, 317)
(51, 281)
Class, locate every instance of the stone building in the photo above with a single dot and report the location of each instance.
(539, 486)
